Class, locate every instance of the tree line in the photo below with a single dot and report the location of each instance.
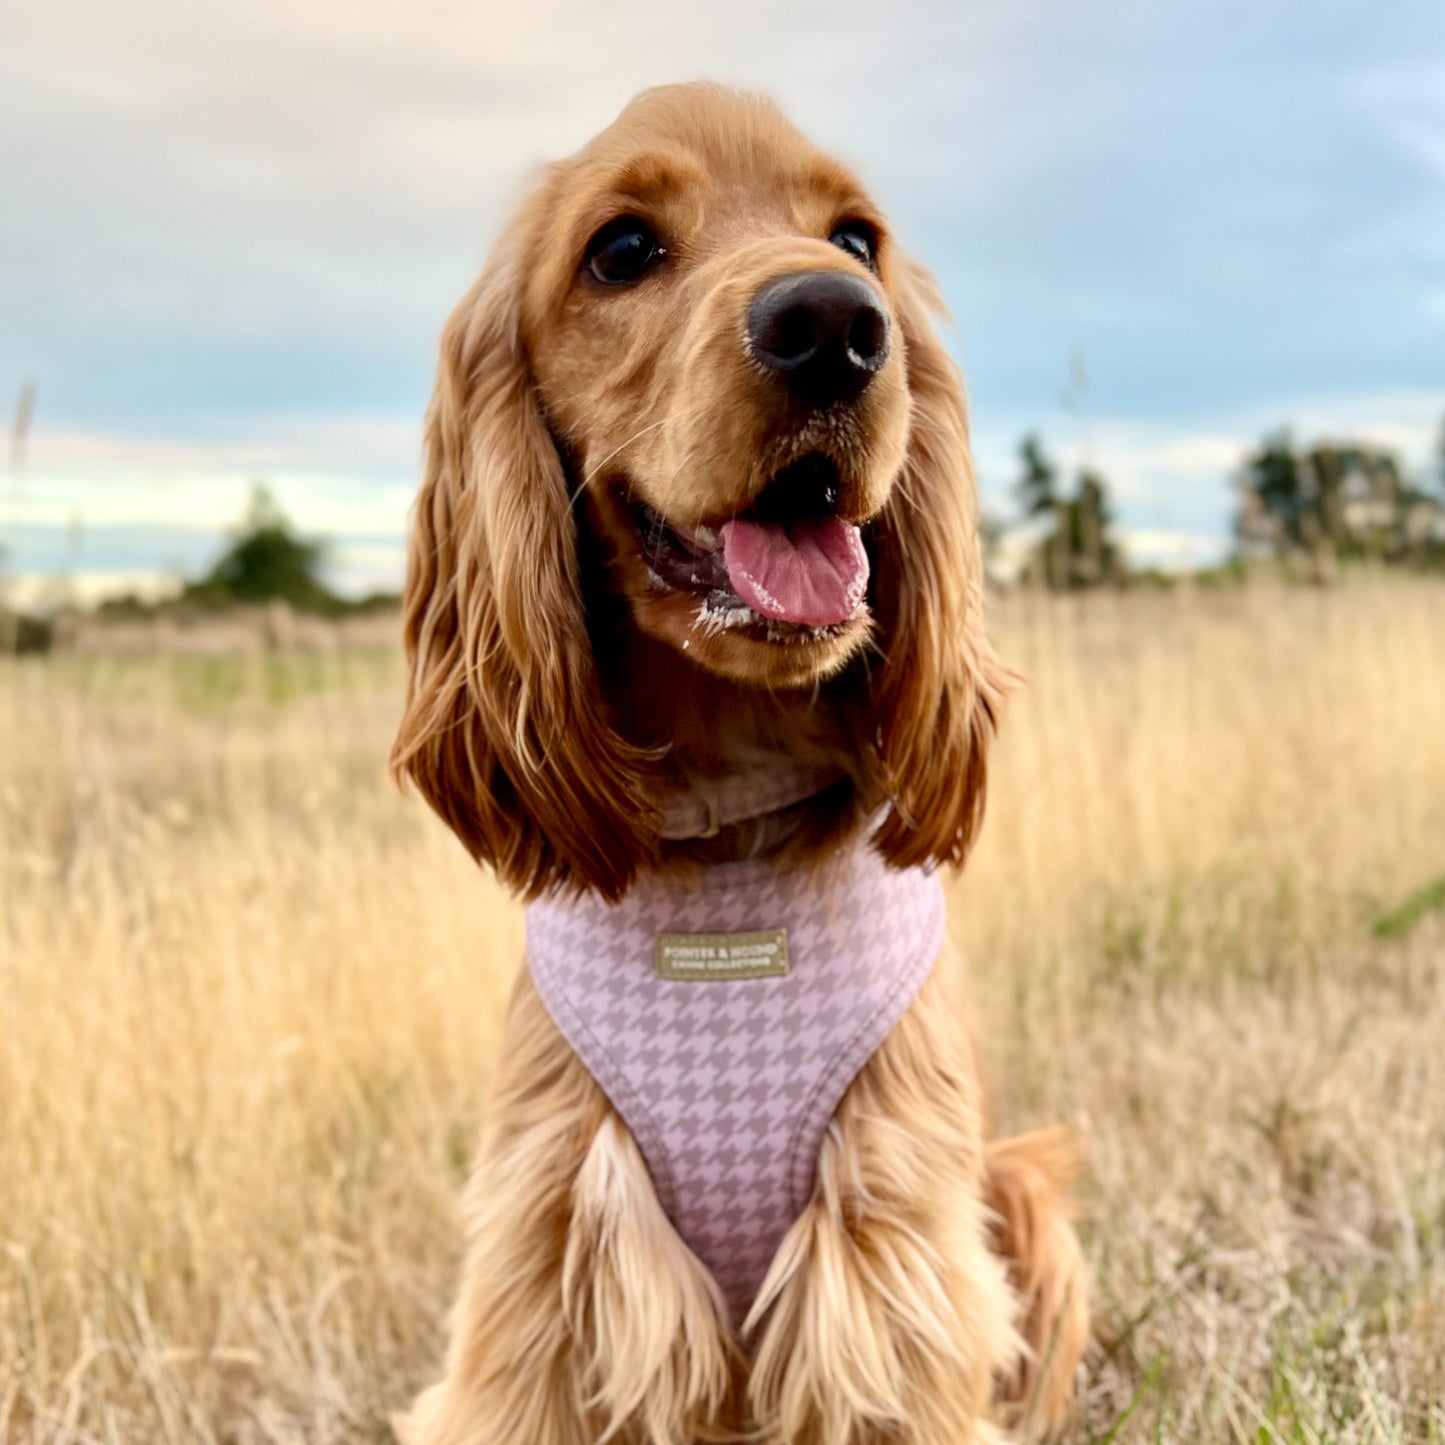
(1306, 509)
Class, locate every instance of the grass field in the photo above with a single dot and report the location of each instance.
(249, 999)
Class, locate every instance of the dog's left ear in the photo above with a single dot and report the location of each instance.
(505, 731)
(936, 698)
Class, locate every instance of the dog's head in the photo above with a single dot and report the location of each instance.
(698, 380)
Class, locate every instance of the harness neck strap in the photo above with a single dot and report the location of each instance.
(753, 791)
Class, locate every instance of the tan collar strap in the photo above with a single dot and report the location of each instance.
(738, 797)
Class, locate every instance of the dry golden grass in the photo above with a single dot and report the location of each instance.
(251, 998)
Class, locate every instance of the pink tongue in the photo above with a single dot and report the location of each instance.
(813, 572)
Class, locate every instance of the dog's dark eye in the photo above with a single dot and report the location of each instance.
(623, 250)
(858, 239)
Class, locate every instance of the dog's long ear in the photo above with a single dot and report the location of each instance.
(505, 732)
(936, 696)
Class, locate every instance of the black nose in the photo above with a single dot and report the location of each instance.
(824, 333)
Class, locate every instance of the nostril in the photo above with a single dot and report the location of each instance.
(868, 337)
(794, 335)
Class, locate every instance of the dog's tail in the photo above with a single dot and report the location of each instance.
(1028, 1190)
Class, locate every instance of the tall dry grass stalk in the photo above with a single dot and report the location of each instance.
(250, 1001)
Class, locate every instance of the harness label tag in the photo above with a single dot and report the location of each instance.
(694, 957)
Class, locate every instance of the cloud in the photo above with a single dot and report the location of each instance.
(239, 227)
(1175, 551)
(90, 562)
(44, 590)
(355, 445)
(234, 210)
(1407, 98)
(333, 476)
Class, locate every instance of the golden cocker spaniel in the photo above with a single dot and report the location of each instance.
(695, 585)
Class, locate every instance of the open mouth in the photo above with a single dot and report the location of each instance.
(789, 563)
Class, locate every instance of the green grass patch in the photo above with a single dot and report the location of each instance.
(1399, 920)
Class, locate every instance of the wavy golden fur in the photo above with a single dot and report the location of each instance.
(932, 1293)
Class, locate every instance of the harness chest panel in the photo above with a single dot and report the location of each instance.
(725, 1017)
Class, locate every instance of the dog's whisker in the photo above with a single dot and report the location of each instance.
(615, 452)
(621, 447)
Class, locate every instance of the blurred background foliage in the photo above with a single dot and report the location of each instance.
(1304, 512)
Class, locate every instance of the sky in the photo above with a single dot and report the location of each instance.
(229, 233)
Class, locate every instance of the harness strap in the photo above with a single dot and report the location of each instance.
(751, 792)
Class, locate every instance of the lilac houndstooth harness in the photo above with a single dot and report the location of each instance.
(725, 1017)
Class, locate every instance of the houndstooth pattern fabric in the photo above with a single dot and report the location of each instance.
(728, 1084)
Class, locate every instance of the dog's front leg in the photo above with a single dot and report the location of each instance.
(887, 1317)
(582, 1316)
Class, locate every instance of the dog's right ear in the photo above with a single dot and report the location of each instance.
(505, 731)
(938, 694)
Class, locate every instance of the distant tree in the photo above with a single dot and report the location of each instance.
(1079, 549)
(1273, 508)
(266, 562)
(1337, 500)
(1038, 482)
(1095, 558)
